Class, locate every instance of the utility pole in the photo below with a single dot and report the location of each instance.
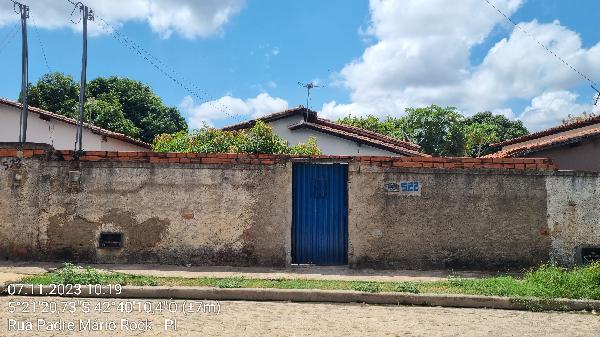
(24, 12)
(87, 14)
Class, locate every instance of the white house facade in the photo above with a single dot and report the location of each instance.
(59, 131)
(299, 124)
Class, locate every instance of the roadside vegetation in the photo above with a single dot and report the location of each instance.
(546, 282)
(258, 139)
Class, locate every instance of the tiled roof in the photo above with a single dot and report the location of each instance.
(368, 133)
(95, 129)
(340, 130)
(557, 129)
(335, 130)
(559, 139)
(267, 118)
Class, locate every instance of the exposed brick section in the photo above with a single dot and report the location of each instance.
(539, 164)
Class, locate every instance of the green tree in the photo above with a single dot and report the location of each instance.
(117, 104)
(55, 92)
(140, 105)
(106, 112)
(485, 128)
(477, 137)
(439, 131)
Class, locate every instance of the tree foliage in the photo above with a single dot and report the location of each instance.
(485, 128)
(439, 131)
(107, 113)
(55, 92)
(444, 131)
(258, 139)
(117, 104)
(140, 105)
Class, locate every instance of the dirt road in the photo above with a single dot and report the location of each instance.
(277, 319)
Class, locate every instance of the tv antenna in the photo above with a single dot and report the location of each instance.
(308, 86)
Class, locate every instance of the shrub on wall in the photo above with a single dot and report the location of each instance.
(258, 139)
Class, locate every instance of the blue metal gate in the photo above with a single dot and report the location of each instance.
(320, 214)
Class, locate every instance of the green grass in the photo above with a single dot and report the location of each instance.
(545, 282)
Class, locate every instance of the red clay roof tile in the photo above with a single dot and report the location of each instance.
(546, 143)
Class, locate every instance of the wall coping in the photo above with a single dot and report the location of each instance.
(46, 152)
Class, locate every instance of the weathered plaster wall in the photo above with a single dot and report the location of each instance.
(236, 210)
(198, 214)
(573, 215)
(461, 219)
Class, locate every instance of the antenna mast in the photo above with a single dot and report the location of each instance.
(23, 10)
(87, 14)
(309, 86)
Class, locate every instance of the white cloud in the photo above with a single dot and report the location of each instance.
(188, 18)
(426, 60)
(229, 107)
(551, 108)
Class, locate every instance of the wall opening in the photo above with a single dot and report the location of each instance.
(590, 254)
(110, 240)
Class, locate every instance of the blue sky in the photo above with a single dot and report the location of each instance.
(373, 57)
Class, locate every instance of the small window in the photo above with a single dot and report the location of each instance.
(590, 254)
(111, 240)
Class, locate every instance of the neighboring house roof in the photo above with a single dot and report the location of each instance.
(558, 139)
(95, 129)
(339, 130)
(561, 128)
(267, 118)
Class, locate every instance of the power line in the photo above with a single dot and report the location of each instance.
(165, 69)
(592, 83)
(8, 38)
(37, 35)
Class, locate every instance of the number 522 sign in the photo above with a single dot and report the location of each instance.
(404, 187)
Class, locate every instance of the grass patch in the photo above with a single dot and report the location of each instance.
(368, 287)
(234, 282)
(545, 282)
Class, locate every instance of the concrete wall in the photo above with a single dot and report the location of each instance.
(57, 133)
(460, 219)
(573, 214)
(329, 145)
(172, 214)
(236, 210)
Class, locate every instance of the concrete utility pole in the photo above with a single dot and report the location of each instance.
(87, 14)
(24, 12)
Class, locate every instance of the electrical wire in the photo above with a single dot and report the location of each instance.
(37, 34)
(592, 83)
(8, 38)
(166, 70)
